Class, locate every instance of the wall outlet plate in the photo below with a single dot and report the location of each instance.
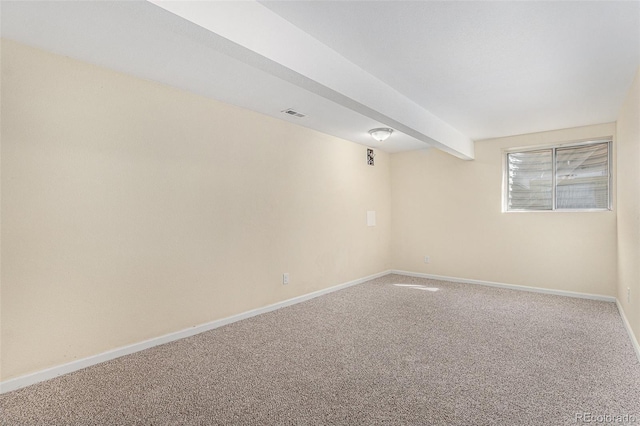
(285, 278)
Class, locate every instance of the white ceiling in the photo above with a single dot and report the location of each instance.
(441, 73)
(488, 68)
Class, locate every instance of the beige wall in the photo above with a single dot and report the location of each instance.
(450, 210)
(131, 210)
(628, 134)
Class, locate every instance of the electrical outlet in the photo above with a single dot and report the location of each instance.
(426, 259)
(285, 278)
(628, 295)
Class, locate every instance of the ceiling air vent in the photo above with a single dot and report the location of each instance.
(294, 113)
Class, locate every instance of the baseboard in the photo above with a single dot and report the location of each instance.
(625, 321)
(50, 373)
(509, 286)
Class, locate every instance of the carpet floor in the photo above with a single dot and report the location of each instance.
(393, 351)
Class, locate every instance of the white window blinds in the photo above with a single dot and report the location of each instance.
(564, 178)
(530, 180)
(582, 177)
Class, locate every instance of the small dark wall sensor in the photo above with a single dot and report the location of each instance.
(370, 156)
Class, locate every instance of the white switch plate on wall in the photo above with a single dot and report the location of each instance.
(371, 218)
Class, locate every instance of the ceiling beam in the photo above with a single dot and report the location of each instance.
(263, 39)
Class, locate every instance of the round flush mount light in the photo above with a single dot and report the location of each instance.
(381, 134)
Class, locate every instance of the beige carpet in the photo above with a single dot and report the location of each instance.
(376, 353)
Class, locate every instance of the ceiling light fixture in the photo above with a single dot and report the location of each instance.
(381, 134)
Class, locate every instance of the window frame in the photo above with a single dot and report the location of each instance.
(554, 148)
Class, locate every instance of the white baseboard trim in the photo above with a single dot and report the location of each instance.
(509, 286)
(50, 373)
(634, 341)
(59, 370)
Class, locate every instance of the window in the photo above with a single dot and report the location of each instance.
(566, 177)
